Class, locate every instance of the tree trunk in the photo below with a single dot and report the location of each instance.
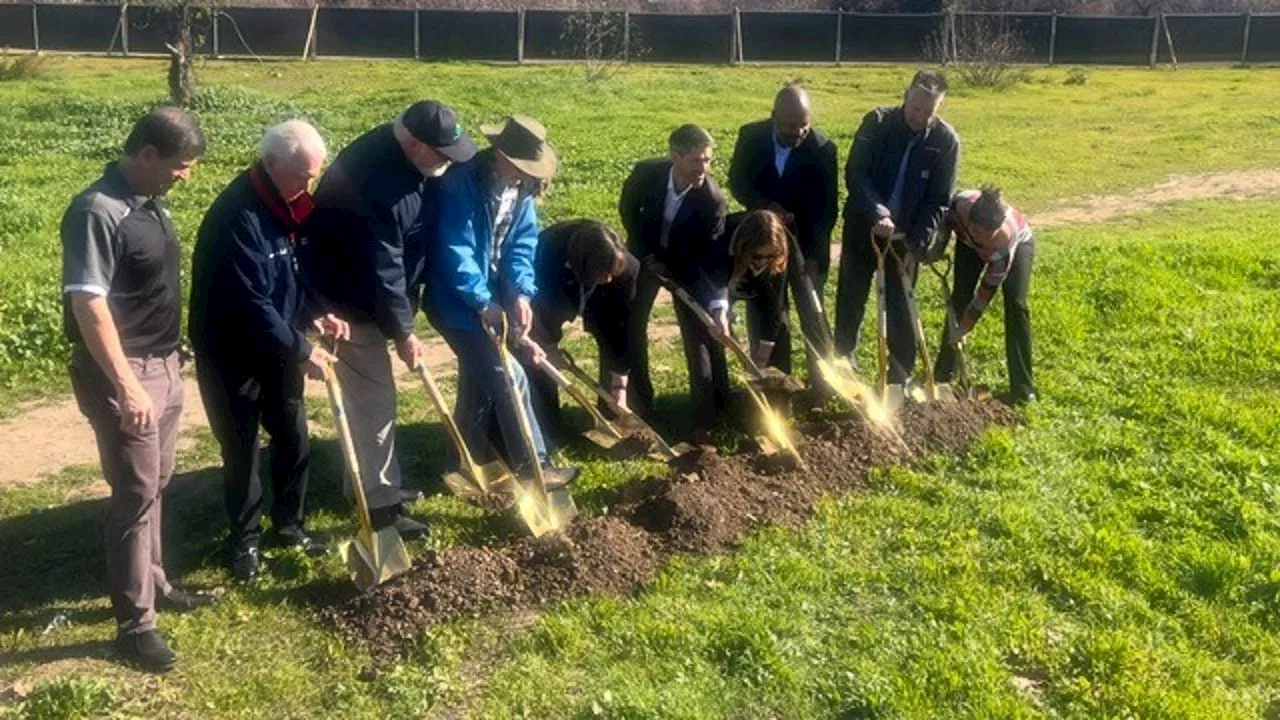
(181, 82)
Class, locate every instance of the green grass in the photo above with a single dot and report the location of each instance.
(1042, 140)
(1117, 555)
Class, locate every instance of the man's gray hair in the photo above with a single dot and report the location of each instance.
(290, 139)
(689, 138)
(930, 82)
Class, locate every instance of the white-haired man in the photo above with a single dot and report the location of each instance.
(249, 317)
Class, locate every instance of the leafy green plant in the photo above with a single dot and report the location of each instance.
(68, 698)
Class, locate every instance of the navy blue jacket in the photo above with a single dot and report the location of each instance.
(365, 239)
(606, 313)
(248, 306)
(459, 280)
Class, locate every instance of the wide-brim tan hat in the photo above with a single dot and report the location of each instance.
(523, 140)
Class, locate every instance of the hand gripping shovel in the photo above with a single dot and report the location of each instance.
(933, 392)
(892, 397)
(627, 421)
(777, 438)
(604, 434)
(962, 387)
(542, 511)
(489, 486)
(372, 557)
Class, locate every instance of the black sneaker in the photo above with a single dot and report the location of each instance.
(296, 537)
(147, 650)
(182, 601)
(246, 563)
(557, 477)
(394, 517)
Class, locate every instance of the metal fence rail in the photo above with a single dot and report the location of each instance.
(537, 35)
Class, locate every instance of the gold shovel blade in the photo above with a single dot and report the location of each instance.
(545, 514)
(376, 561)
(489, 486)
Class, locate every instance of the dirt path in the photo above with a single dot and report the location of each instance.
(47, 439)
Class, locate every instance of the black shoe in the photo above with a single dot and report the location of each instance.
(410, 495)
(557, 477)
(183, 601)
(1019, 397)
(394, 517)
(702, 438)
(246, 562)
(147, 650)
(296, 537)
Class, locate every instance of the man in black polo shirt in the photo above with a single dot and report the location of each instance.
(900, 175)
(122, 313)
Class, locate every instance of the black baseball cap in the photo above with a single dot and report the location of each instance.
(437, 125)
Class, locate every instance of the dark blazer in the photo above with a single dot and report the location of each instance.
(873, 166)
(695, 232)
(606, 312)
(807, 188)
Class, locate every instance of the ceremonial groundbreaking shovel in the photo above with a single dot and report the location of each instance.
(541, 510)
(489, 485)
(604, 434)
(372, 557)
(627, 421)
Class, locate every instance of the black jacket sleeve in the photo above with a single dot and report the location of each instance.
(742, 169)
(608, 314)
(631, 209)
(392, 310)
(863, 196)
(826, 220)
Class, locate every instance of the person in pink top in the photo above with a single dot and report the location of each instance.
(995, 249)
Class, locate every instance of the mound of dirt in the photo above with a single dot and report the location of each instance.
(706, 504)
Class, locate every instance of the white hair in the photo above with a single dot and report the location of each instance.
(290, 139)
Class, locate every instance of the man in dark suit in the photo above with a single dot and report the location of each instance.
(785, 165)
(900, 175)
(673, 213)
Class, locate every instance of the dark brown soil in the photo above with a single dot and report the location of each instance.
(706, 504)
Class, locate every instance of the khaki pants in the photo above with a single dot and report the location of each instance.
(369, 393)
(138, 468)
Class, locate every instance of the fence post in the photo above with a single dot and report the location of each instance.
(417, 41)
(953, 43)
(839, 34)
(124, 27)
(1053, 37)
(735, 52)
(217, 52)
(1244, 48)
(1155, 38)
(626, 36)
(35, 25)
(520, 36)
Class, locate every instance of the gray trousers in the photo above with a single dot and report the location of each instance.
(369, 392)
(138, 468)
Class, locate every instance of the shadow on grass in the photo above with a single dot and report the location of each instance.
(55, 568)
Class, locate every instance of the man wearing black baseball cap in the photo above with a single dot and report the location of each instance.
(364, 258)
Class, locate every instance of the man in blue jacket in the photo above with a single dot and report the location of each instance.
(365, 257)
(248, 320)
(480, 268)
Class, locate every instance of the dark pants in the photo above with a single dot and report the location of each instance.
(138, 468)
(483, 395)
(708, 370)
(857, 271)
(1017, 314)
(237, 407)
